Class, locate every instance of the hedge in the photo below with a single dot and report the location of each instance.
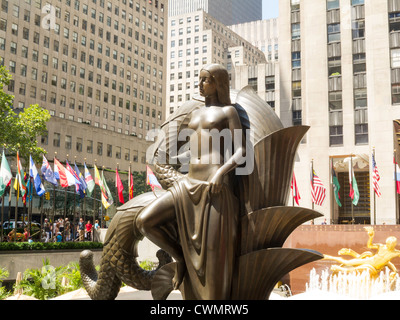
(15, 246)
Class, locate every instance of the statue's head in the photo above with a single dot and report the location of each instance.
(391, 242)
(219, 79)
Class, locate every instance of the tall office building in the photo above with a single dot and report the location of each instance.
(98, 66)
(340, 74)
(196, 39)
(228, 12)
(263, 34)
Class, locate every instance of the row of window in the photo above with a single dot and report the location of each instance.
(101, 148)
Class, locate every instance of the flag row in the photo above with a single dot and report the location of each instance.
(66, 176)
(318, 191)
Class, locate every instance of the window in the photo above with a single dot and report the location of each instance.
(336, 135)
(296, 60)
(358, 29)
(332, 4)
(295, 31)
(56, 140)
(99, 148)
(334, 32)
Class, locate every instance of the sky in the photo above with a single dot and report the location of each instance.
(270, 9)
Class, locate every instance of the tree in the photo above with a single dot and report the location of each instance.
(20, 131)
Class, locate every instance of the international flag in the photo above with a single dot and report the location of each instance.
(130, 184)
(83, 185)
(376, 177)
(48, 173)
(5, 175)
(397, 176)
(119, 186)
(295, 190)
(152, 180)
(89, 182)
(336, 187)
(65, 176)
(19, 179)
(318, 191)
(99, 181)
(110, 200)
(34, 174)
(354, 193)
(77, 183)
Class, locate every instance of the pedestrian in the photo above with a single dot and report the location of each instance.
(67, 230)
(89, 228)
(26, 234)
(81, 229)
(61, 226)
(59, 237)
(47, 229)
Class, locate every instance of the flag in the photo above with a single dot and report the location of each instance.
(65, 176)
(295, 190)
(397, 176)
(5, 175)
(48, 173)
(20, 178)
(110, 200)
(375, 177)
(354, 194)
(152, 180)
(336, 187)
(89, 182)
(77, 182)
(119, 186)
(36, 178)
(130, 184)
(318, 191)
(99, 181)
(83, 185)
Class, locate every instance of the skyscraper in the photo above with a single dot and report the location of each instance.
(228, 12)
(99, 67)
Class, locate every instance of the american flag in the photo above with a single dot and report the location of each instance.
(318, 191)
(375, 177)
(295, 190)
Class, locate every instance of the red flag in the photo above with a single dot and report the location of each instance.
(295, 190)
(120, 187)
(130, 184)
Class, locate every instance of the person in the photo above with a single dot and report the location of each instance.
(367, 261)
(96, 231)
(324, 223)
(26, 234)
(47, 229)
(203, 203)
(67, 230)
(30, 240)
(11, 235)
(81, 229)
(61, 226)
(89, 228)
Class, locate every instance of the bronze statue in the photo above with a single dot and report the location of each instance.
(223, 217)
(367, 261)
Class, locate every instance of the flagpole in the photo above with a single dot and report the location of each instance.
(332, 191)
(312, 181)
(2, 216)
(94, 198)
(352, 174)
(373, 152)
(395, 186)
(16, 212)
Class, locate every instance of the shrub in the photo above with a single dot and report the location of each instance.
(10, 246)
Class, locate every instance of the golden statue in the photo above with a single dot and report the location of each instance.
(367, 261)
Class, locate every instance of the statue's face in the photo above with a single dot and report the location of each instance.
(207, 84)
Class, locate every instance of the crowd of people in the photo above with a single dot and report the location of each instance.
(64, 230)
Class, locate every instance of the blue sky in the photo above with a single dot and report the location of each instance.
(270, 9)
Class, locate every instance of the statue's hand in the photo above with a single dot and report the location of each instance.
(370, 231)
(216, 183)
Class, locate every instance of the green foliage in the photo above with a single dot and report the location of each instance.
(19, 132)
(73, 274)
(44, 283)
(3, 275)
(148, 265)
(9, 246)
